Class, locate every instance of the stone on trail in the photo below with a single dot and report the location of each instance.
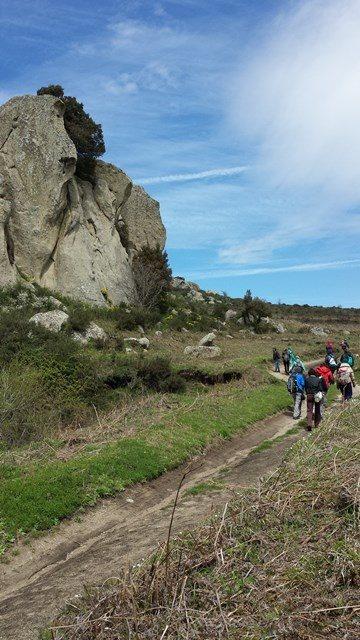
(50, 320)
(208, 340)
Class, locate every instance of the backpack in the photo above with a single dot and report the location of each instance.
(348, 358)
(295, 383)
(331, 362)
(344, 374)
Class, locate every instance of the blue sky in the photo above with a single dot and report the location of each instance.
(242, 117)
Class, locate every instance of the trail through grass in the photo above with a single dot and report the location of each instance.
(36, 497)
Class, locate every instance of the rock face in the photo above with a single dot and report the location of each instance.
(65, 233)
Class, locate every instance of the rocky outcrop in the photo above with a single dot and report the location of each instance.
(64, 233)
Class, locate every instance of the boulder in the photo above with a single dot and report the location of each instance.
(56, 303)
(158, 333)
(207, 352)
(93, 332)
(144, 343)
(279, 328)
(208, 340)
(51, 320)
(230, 314)
(196, 295)
(61, 232)
(318, 331)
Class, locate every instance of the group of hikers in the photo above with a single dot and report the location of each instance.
(314, 385)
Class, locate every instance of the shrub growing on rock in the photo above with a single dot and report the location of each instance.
(86, 135)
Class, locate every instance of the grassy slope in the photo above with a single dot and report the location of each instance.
(38, 496)
(283, 561)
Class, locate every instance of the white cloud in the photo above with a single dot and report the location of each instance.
(310, 266)
(202, 175)
(296, 100)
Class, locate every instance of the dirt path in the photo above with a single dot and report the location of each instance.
(121, 531)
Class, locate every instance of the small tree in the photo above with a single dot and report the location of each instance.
(253, 310)
(86, 135)
(152, 276)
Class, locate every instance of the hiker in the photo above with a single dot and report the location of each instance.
(329, 347)
(345, 381)
(296, 386)
(286, 360)
(295, 365)
(276, 360)
(314, 389)
(347, 356)
(330, 362)
(324, 371)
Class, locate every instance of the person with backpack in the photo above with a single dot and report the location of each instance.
(276, 360)
(296, 386)
(324, 371)
(347, 356)
(314, 389)
(330, 362)
(286, 360)
(345, 381)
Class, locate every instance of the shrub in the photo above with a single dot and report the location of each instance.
(86, 135)
(132, 318)
(254, 310)
(27, 409)
(152, 276)
(79, 318)
(156, 373)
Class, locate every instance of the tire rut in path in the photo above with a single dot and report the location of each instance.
(122, 530)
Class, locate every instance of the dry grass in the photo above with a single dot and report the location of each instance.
(282, 562)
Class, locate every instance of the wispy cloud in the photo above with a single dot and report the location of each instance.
(296, 99)
(315, 266)
(201, 175)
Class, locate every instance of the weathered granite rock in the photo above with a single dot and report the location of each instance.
(208, 340)
(62, 232)
(230, 315)
(93, 332)
(50, 320)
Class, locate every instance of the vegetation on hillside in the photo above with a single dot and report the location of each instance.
(282, 561)
(86, 135)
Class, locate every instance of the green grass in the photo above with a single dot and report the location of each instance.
(37, 497)
(204, 487)
(267, 444)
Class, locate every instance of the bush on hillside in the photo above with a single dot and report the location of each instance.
(152, 276)
(86, 135)
(79, 318)
(152, 373)
(156, 373)
(27, 408)
(132, 318)
(254, 310)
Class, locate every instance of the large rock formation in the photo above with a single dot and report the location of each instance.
(65, 233)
